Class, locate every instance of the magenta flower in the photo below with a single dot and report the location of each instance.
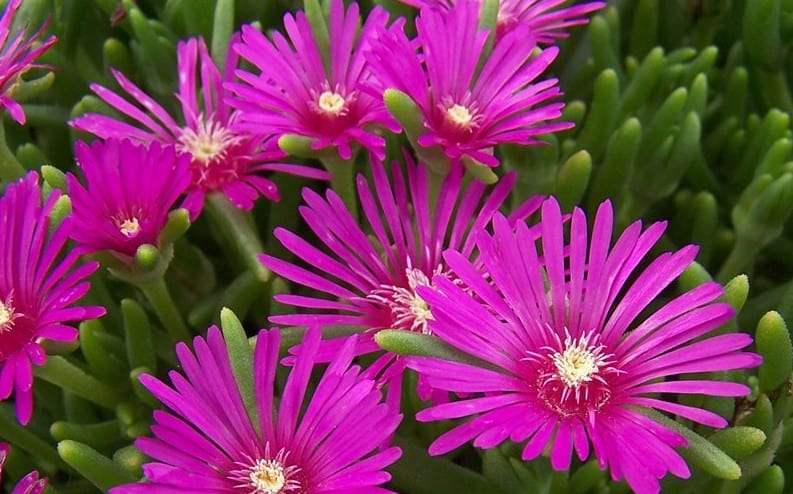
(130, 189)
(467, 111)
(299, 91)
(38, 285)
(370, 281)
(224, 158)
(574, 363)
(17, 55)
(540, 18)
(29, 484)
(210, 444)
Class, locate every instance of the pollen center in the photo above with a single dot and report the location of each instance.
(267, 477)
(6, 317)
(459, 115)
(331, 103)
(576, 365)
(130, 227)
(207, 142)
(409, 311)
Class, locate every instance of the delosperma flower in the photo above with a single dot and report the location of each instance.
(371, 281)
(40, 281)
(129, 191)
(17, 56)
(330, 442)
(469, 101)
(541, 18)
(574, 360)
(224, 158)
(322, 96)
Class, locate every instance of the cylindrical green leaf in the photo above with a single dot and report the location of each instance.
(102, 363)
(138, 332)
(771, 481)
(616, 170)
(95, 435)
(222, 30)
(100, 470)
(761, 36)
(601, 118)
(773, 343)
(241, 358)
(573, 180)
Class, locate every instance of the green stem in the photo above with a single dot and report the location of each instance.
(158, 295)
(10, 167)
(741, 256)
(343, 180)
(237, 227)
(68, 376)
(22, 437)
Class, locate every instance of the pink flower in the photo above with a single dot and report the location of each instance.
(302, 91)
(17, 55)
(469, 101)
(29, 484)
(224, 158)
(39, 283)
(211, 443)
(130, 189)
(540, 18)
(370, 282)
(573, 363)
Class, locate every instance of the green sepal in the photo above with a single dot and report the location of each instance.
(410, 343)
(54, 177)
(138, 335)
(177, 225)
(700, 452)
(601, 118)
(479, 171)
(773, 343)
(738, 442)
(573, 180)
(131, 460)
(770, 481)
(100, 470)
(241, 358)
(297, 145)
(222, 31)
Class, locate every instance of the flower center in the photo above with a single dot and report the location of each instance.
(7, 314)
(459, 115)
(268, 475)
(130, 227)
(572, 376)
(408, 310)
(331, 103)
(208, 142)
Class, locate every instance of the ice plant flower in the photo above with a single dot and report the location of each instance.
(130, 189)
(541, 18)
(574, 360)
(29, 484)
(370, 281)
(327, 443)
(466, 111)
(39, 283)
(17, 56)
(322, 96)
(224, 158)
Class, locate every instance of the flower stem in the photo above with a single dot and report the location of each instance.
(158, 295)
(60, 372)
(237, 226)
(343, 180)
